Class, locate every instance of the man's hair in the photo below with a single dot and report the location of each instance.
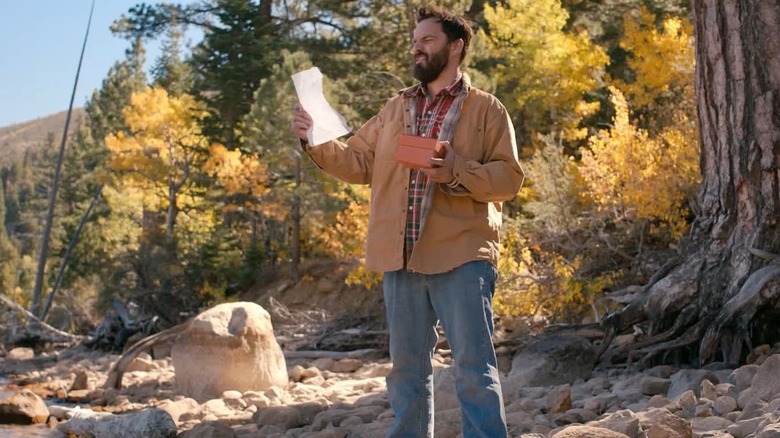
(454, 26)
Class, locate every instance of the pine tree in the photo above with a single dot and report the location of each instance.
(9, 256)
(243, 40)
(171, 71)
(231, 61)
(300, 196)
(96, 254)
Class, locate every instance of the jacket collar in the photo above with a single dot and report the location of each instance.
(418, 89)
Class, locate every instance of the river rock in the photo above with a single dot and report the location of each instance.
(22, 407)
(553, 360)
(228, 347)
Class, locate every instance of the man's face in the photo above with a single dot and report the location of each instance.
(430, 50)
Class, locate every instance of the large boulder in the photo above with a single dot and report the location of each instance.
(22, 407)
(228, 347)
(551, 360)
(766, 382)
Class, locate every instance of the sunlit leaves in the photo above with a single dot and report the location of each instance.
(238, 173)
(661, 57)
(634, 175)
(661, 94)
(165, 141)
(161, 162)
(541, 283)
(548, 70)
(345, 239)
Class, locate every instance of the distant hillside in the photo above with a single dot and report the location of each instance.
(16, 138)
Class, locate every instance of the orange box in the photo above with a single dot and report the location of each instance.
(415, 152)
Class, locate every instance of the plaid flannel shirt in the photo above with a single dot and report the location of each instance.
(430, 114)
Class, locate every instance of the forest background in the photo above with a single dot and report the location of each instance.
(183, 188)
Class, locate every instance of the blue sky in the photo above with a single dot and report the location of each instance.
(40, 43)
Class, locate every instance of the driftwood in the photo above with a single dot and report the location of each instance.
(349, 333)
(336, 355)
(35, 331)
(114, 379)
(116, 328)
(314, 333)
(149, 423)
(117, 371)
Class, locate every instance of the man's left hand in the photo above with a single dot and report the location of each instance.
(442, 167)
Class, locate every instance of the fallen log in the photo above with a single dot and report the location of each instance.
(116, 373)
(318, 354)
(117, 327)
(149, 423)
(36, 331)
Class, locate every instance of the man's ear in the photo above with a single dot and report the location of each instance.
(457, 45)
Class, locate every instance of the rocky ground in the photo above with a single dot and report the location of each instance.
(346, 398)
(551, 387)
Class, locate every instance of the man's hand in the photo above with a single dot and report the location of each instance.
(301, 122)
(442, 167)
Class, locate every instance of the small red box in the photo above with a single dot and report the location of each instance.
(415, 152)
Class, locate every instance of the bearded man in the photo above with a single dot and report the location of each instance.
(434, 229)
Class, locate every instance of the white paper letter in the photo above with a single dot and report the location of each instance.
(327, 124)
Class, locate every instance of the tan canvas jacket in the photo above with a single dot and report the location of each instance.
(462, 224)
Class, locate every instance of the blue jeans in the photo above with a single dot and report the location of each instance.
(462, 300)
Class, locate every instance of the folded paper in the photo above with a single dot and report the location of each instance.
(328, 123)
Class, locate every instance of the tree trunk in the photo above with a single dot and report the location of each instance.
(729, 279)
(296, 219)
(44, 249)
(66, 256)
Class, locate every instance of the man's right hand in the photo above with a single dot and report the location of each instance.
(301, 122)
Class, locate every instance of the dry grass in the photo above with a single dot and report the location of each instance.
(17, 138)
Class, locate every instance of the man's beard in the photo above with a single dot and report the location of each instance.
(434, 65)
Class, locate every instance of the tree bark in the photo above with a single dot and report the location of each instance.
(66, 256)
(729, 276)
(296, 221)
(55, 184)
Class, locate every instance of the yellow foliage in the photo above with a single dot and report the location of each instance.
(161, 158)
(194, 228)
(364, 277)
(346, 237)
(548, 70)
(164, 146)
(237, 173)
(165, 118)
(634, 176)
(662, 59)
(165, 130)
(210, 294)
(539, 283)
(21, 298)
(629, 173)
